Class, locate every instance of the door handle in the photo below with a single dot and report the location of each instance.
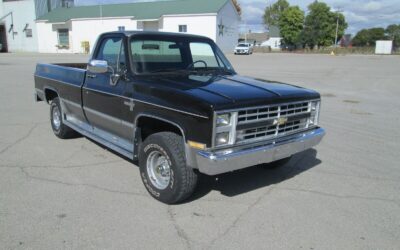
(91, 76)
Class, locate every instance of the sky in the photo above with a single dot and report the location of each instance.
(359, 13)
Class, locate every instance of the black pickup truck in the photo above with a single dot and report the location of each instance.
(174, 103)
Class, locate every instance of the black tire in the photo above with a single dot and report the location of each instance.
(276, 164)
(60, 130)
(183, 179)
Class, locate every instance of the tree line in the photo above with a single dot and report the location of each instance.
(368, 37)
(316, 29)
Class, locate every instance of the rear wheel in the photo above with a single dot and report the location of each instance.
(163, 168)
(59, 128)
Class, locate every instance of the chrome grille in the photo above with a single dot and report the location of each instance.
(297, 114)
(266, 113)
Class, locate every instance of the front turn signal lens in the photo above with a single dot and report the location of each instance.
(197, 145)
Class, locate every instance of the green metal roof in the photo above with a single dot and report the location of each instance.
(139, 11)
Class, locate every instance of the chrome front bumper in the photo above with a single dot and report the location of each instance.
(227, 160)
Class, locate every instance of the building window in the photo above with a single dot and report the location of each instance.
(63, 37)
(183, 28)
(28, 32)
(121, 28)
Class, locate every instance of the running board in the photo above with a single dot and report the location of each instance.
(96, 138)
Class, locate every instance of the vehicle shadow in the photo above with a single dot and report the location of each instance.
(249, 179)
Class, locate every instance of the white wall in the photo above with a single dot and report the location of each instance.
(89, 30)
(23, 13)
(48, 35)
(1, 8)
(203, 25)
(384, 47)
(80, 30)
(274, 42)
(229, 18)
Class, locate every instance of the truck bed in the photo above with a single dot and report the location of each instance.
(71, 65)
(64, 78)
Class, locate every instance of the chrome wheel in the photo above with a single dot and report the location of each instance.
(159, 170)
(56, 117)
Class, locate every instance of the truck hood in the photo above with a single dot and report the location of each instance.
(230, 92)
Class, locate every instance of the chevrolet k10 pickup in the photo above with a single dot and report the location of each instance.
(174, 103)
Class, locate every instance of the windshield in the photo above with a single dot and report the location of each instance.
(243, 45)
(152, 56)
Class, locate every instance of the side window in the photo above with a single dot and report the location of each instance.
(203, 52)
(63, 37)
(112, 51)
(183, 28)
(149, 51)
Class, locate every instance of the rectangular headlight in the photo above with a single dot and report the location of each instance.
(223, 120)
(222, 139)
(225, 128)
(315, 107)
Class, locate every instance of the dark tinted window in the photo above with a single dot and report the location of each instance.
(112, 51)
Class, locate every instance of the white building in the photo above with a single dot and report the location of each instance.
(63, 30)
(17, 22)
(275, 39)
(384, 47)
(17, 25)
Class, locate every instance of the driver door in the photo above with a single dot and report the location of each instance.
(102, 97)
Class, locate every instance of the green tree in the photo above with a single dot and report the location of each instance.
(320, 25)
(393, 33)
(291, 24)
(274, 11)
(368, 37)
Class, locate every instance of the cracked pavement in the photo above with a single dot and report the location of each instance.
(345, 194)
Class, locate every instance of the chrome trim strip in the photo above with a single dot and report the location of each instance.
(71, 103)
(60, 81)
(108, 117)
(152, 104)
(218, 162)
(128, 125)
(137, 100)
(61, 67)
(263, 106)
(102, 115)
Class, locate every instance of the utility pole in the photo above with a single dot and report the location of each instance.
(337, 26)
(245, 32)
(337, 30)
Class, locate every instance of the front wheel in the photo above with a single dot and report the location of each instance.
(163, 169)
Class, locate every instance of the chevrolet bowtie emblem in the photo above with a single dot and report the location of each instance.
(281, 121)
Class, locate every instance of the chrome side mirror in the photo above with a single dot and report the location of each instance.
(98, 66)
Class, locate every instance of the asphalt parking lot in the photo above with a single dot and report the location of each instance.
(345, 194)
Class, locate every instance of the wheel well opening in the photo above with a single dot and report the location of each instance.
(149, 126)
(50, 94)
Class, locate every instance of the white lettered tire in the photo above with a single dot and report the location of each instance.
(163, 168)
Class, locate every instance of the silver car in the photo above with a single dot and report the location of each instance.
(243, 49)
